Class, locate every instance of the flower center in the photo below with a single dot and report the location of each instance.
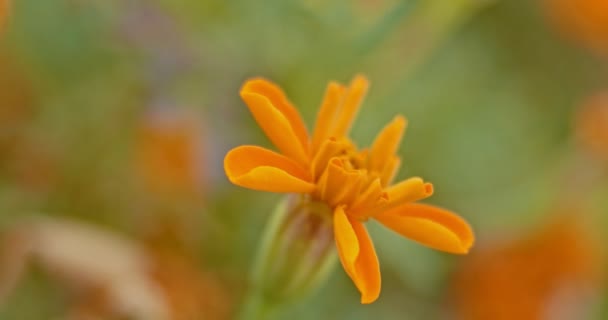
(345, 179)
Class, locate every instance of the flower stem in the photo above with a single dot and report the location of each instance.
(295, 256)
(256, 307)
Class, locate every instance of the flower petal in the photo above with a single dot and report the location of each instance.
(357, 255)
(339, 185)
(346, 240)
(409, 190)
(367, 266)
(350, 107)
(327, 114)
(328, 149)
(277, 117)
(431, 226)
(261, 169)
(386, 144)
(372, 198)
(390, 170)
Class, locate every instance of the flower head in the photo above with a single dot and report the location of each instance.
(355, 184)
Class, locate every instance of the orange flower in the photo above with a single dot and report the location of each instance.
(354, 184)
(583, 20)
(4, 6)
(169, 153)
(553, 273)
(591, 125)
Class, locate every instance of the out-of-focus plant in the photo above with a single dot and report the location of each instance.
(591, 125)
(169, 154)
(555, 272)
(4, 9)
(169, 170)
(584, 21)
(104, 274)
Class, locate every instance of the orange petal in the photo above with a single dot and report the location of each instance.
(277, 117)
(350, 107)
(409, 190)
(261, 169)
(352, 238)
(354, 184)
(388, 173)
(368, 200)
(340, 185)
(329, 149)
(327, 113)
(346, 240)
(386, 144)
(367, 267)
(431, 226)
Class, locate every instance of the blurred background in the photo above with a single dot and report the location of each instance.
(115, 117)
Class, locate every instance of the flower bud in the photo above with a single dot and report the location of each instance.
(297, 251)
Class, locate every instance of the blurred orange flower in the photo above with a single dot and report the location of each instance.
(591, 125)
(353, 184)
(169, 152)
(583, 20)
(191, 292)
(550, 274)
(28, 160)
(18, 99)
(4, 6)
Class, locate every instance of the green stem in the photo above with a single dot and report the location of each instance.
(370, 40)
(295, 255)
(256, 307)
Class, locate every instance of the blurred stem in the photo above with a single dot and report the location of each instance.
(256, 304)
(295, 257)
(408, 43)
(256, 307)
(601, 309)
(382, 30)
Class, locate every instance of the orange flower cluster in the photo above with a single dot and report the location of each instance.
(583, 20)
(541, 276)
(355, 185)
